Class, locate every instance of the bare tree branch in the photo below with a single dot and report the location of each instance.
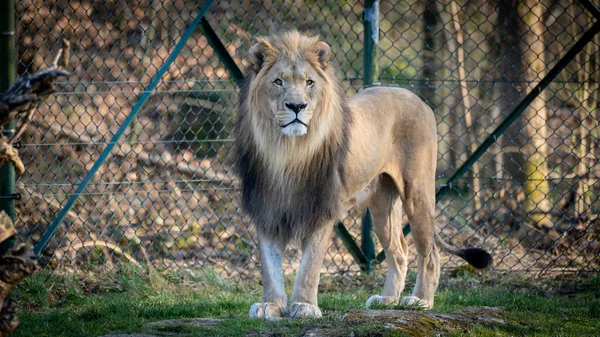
(26, 92)
(20, 100)
(15, 265)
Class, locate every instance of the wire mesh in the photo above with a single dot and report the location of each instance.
(168, 197)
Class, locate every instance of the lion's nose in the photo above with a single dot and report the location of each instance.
(296, 107)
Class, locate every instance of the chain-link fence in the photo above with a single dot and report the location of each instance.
(167, 196)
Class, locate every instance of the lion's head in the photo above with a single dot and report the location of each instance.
(290, 81)
(291, 135)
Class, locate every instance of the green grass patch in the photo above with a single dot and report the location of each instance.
(125, 301)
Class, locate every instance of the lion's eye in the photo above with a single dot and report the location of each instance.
(310, 82)
(278, 82)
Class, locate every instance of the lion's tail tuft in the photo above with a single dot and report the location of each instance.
(477, 257)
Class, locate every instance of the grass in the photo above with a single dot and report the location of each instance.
(125, 301)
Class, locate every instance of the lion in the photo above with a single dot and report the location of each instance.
(306, 154)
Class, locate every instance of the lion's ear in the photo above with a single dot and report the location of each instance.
(324, 53)
(258, 53)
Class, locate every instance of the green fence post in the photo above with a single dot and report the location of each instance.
(7, 77)
(367, 244)
(591, 7)
(365, 255)
(371, 40)
(351, 245)
(371, 76)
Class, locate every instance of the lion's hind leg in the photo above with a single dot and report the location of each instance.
(419, 205)
(386, 209)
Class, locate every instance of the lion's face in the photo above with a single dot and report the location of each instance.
(290, 85)
(293, 89)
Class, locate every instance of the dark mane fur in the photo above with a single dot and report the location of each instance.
(290, 211)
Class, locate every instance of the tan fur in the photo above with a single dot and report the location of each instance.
(378, 149)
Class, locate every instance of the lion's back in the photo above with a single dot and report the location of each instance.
(395, 109)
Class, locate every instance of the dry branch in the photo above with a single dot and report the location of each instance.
(20, 101)
(9, 154)
(7, 230)
(104, 244)
(26, 92)
(189, 169)
(15, 265)
(185, 168)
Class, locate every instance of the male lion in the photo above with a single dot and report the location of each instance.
(305, 155)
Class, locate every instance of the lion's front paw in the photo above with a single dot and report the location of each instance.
(266, 310)
(304, 310)
(417, 303)
(383, 300)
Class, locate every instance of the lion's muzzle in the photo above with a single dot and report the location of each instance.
(294, 119)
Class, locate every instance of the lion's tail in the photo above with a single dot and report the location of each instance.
(477, 257)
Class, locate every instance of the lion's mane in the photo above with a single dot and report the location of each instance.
(292, 185)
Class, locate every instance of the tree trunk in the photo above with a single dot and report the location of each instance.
(537, 203)
(430, 74)
(522, 61)
(586, 94)
(466, 100)
(430, 62)
(511, 74)
(456, 148)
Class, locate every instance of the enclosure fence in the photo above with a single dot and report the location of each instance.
(514, 86)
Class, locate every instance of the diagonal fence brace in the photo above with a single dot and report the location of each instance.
(111, 144)
(216, 44)
(591, 7)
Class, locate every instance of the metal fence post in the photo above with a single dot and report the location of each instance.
(365, 255)
(7, 77)
(371, 76)
(368, 242)
(371, 40)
